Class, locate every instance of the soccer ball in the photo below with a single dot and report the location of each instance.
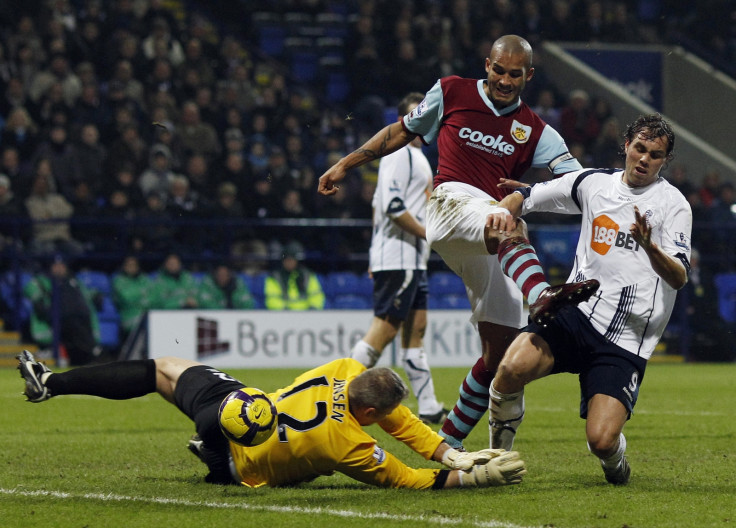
(247, 417)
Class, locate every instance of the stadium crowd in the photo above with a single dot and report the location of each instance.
(140, 113)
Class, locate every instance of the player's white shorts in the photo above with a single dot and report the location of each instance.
(456, 219)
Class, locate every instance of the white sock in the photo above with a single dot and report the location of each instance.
(506, 414)
(416, 367)
(615, 459)
(365, 353)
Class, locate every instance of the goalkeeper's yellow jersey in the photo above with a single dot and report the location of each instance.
(317, 435)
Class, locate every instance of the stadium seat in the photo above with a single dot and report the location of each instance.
(351, 302)
(443, 283)
(726, 286)
(338, 87)
(449, 302)
(271, 40)
(304, 66)
(109, 333)
(347, 283)
(555, 245)
(98, 281)
(255, 284)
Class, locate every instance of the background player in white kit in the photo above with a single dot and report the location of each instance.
(398, 263)
(484, 133)
(641, 265)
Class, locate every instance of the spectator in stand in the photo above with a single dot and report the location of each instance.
(229, 210)
(197, 136)
(605, 150)
(58, 289)
(153, 231)
(293, 286)
(11, 212)
(58, 72)
(222, 289)
(124, 180)
(20, 132)
(159, 175)
(60, 152)
(50, 213)
(174, 287)
(131, 291)
(13, 96)
(547, 109)
(90, 155)
(128, 149)
(578, 123)
(201, 180)
(16, 170)
(709, 187)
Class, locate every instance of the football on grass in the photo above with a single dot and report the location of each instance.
(247, 416)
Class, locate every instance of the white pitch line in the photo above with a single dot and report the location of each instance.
(433, 519)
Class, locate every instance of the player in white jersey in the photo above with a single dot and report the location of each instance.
(635, 239)
(398, 263)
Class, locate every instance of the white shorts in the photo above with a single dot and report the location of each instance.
(456, 219)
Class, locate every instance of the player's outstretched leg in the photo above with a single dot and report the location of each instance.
(120, 380)
(520, 262)
(34, 374)
(470, 406)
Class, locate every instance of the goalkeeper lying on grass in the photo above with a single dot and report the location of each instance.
(320, 415)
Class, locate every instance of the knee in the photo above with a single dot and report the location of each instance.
(603, 440)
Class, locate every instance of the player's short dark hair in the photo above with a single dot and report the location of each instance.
(408, 100)
(652, 126)
(381, 388)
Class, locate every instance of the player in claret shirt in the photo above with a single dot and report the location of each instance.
(485, 133)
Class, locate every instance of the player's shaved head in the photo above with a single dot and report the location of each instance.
(513, 45)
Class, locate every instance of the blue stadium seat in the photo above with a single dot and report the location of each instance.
(95, 280)
(271, 40)
(449, 302)
(726, 286)
(338, 87)
(304, 66)
(109, 333)
(351, 302)
(347, 283)
(555, 245)
(255, 284)
(443, 283)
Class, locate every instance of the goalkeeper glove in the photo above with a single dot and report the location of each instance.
(502, 470)
(455, 459)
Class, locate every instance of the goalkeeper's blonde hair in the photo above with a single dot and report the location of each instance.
(380, 387)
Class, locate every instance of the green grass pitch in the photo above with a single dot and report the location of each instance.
(78, 461)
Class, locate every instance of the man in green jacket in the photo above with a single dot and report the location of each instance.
(79, 330)
(131, 290)
(294, 286)
(174, 287)
(224, 290)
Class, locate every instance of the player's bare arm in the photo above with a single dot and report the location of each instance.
(671, 270)
(389, 139)
(408, 223)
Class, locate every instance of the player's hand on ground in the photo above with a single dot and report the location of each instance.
(502, 221)
(503, 470)
(329, 180)
(455, 459)
(505, 183)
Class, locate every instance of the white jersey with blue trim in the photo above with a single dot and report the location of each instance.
(634, 304)
(404, 181)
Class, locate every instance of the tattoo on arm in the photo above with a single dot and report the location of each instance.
(370, 154)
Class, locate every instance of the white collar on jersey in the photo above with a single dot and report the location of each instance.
(489, 103)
